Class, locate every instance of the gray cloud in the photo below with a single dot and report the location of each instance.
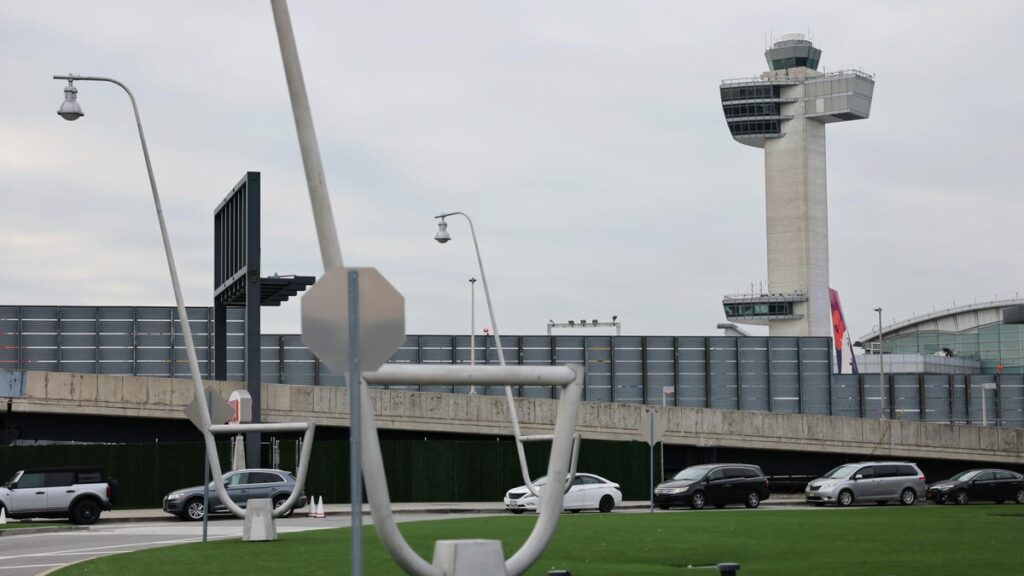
(585, 138)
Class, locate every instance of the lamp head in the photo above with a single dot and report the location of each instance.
(442, 235)
(70, 109)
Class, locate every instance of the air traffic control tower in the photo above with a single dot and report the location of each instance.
(785, 111)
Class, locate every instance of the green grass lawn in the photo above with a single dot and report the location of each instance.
(932, 540)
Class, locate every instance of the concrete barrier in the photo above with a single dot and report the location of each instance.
(61, 392)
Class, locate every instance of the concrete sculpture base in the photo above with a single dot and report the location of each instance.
(470, 557)
(259, 521)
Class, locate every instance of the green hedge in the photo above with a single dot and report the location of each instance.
(418, 470)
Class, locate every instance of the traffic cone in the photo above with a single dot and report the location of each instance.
(312, 507)
(3, 515)
(320, 508)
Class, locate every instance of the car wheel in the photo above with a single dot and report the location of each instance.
(961, 497)
(194, 509)
(85, 511)
(281, 500)
(845, 498)
(908, 497)
(697, 501)
(606, 504)
(1019, 498)
(753, 500)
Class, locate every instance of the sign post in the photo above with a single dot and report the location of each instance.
(652, 430)
(353, 320)
(206, 476)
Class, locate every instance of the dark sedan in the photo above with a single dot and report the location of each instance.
(715, 484)
(241, 485)
(988, 484)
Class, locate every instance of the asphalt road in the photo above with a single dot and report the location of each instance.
(33, 554)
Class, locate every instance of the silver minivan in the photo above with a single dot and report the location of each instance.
(880, 482)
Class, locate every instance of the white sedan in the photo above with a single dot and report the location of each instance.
(588, 492)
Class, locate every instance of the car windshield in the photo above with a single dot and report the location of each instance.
(843, 471)
(693, 473)
(965, 476)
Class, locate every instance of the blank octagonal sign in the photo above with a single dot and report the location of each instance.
(325, 319)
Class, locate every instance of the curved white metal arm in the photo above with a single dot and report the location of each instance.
(565, 441)
(307, 446)
(186, 330)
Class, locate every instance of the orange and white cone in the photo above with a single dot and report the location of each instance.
(312, 507)
(320, 508)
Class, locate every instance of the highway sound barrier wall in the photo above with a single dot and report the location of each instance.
(781, 374)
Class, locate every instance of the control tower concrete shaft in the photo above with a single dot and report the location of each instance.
(784, 111)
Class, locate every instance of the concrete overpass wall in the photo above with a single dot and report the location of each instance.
(164, 398)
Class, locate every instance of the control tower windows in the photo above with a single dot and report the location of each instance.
(798, 61)
(751, 92)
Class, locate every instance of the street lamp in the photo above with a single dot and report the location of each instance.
(443, 237)
(472, 328)
(881, 366)
(71, 110)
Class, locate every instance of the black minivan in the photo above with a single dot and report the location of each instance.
(714, 484)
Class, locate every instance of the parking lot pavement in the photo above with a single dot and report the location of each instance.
(32, 554)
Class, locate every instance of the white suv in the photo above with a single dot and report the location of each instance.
(76, 493)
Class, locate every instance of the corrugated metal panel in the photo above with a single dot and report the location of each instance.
(785, 375)
(959, 399)
(907, 397)
(846, 395)
(599, 368)
(1011, 399)
(936, 398)
(753, 374)
(724, 372)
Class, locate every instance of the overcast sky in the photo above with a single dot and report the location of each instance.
(585, 138)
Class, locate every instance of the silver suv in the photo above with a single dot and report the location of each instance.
(880, 482)
(76, 493)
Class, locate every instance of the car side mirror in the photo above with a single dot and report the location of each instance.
(973, 482)
(11, 485)
(858, 477)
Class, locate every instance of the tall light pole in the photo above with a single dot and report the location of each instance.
(881, 366)
(71, 110)
(472, 321)
(472, 328)
(443, 236)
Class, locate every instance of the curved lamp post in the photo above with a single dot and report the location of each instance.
(443, 237)
(71, 110)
